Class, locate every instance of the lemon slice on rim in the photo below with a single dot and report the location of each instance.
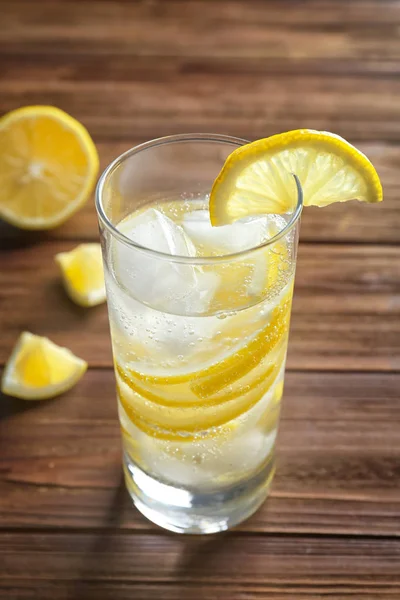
(48, 166)
(258, 178)
(38, 369)
(82, 272)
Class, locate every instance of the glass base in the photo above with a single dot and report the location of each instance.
(197, 511)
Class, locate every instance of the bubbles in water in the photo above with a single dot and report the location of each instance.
(176, 287)
(165, 338)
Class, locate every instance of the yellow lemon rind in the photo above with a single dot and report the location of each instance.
(11, 386)
(93, 297)
(250, 153)
(87, 144)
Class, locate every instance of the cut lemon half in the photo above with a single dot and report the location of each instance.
(82, 273)
(38, 369)
(48, 166)
(258, 178)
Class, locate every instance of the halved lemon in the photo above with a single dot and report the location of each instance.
(82, 272)
(48, 166)
(258, 178)
(39, 369)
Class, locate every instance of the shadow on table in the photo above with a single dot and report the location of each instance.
(56, 296)
(96, 561)
(198, 553)
(110, 559)
(10, 406)
(12, 238)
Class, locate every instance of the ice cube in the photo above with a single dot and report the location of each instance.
(158, 281)
(154, 336)
(228, 239)
(156, 231)
(237, 237)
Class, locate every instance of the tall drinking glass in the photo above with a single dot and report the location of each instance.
(199, 320)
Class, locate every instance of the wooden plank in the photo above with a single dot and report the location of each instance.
(136, 70)
(328, 31)
(90, 66)
(344, 309)
(243, 566)
(242, 102)
(24, 590)
(125, 591)
(345, 312)
(338, 459)
(354, 222)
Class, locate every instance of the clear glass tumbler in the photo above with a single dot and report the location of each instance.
(199, 320)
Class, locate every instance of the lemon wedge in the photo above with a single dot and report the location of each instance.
(38, 369)
(82, 273)
(258, 178)
(48, 166)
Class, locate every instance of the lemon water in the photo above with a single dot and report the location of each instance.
(199, 328)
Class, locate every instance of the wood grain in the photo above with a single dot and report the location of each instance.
(95, 590)
(244, 103)
(338, 459)
(246, 565)
(353, 222)
(135, 70)
(345, 312)
(328, 31)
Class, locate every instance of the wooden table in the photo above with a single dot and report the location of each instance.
(131, 71)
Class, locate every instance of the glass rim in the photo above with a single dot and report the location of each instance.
(193, 260)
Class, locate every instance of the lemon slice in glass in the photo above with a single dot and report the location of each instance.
(258, 178)
(48, 166)
(38, 369)
(82, 273)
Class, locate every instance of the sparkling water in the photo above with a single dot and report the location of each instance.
(199, 327)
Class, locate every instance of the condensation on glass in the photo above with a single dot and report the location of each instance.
(199, 320)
